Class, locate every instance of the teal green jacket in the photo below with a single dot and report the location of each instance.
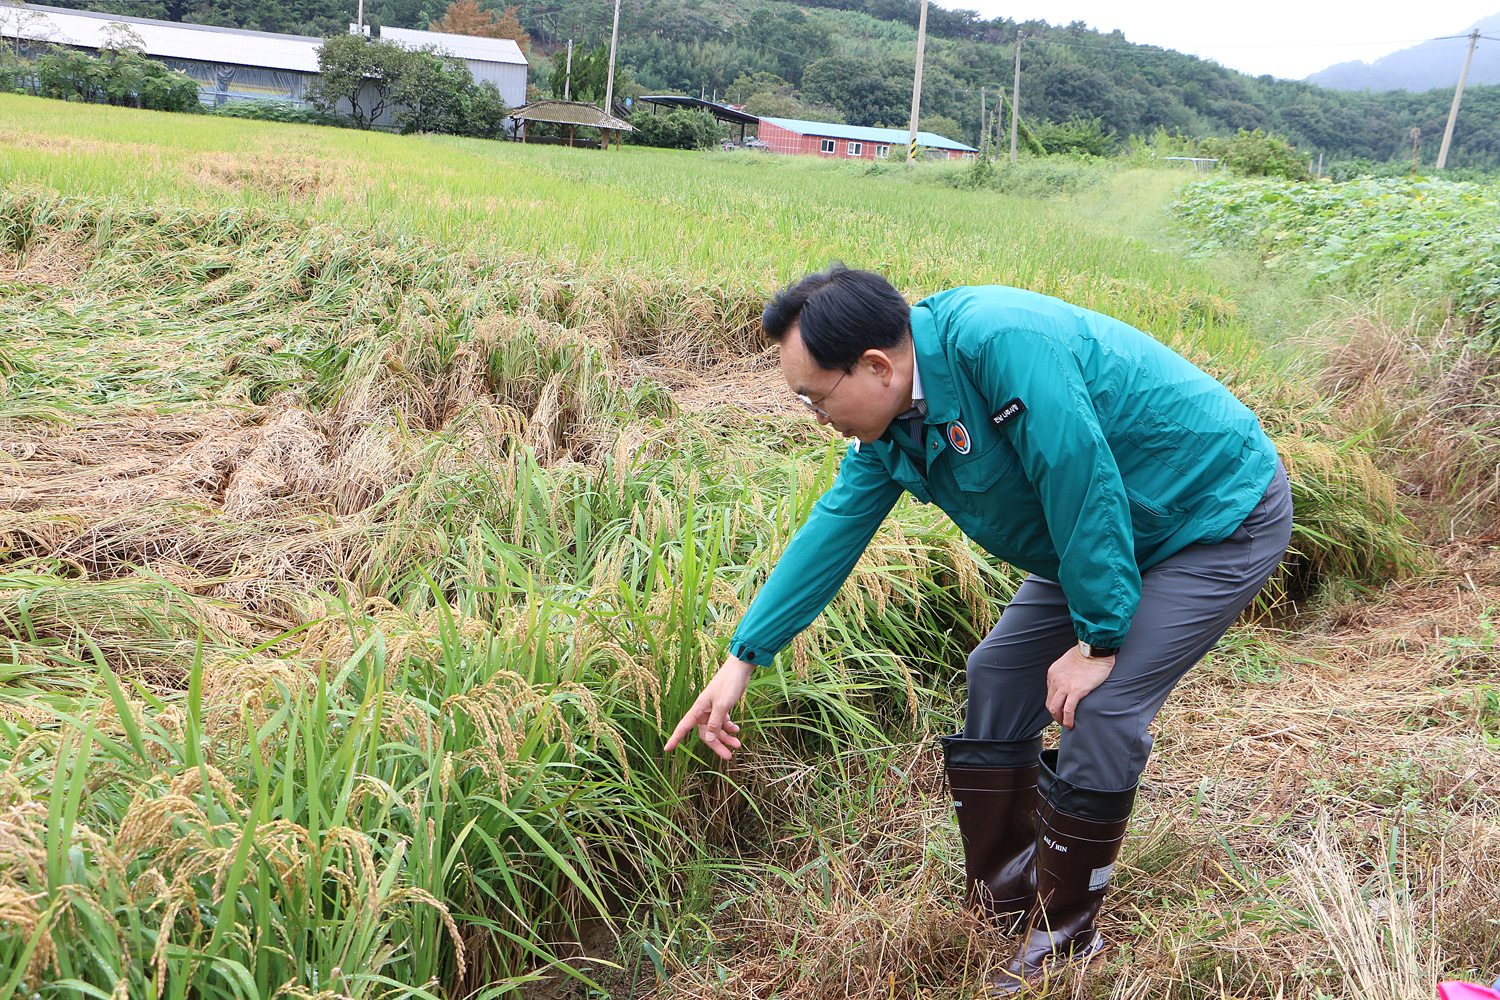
(1064, 442)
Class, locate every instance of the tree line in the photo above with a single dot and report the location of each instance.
(852, 60)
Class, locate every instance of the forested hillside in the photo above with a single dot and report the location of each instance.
(853, 59)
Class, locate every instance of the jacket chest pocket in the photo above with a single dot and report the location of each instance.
(982, 467)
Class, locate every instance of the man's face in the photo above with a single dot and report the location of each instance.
(860, 404)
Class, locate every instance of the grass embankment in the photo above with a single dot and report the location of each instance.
(356, 551)
(1409, 357)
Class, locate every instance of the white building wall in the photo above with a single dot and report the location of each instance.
(508, 77)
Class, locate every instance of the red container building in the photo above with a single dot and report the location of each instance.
(854, 142)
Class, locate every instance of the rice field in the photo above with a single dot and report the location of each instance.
(371, 502)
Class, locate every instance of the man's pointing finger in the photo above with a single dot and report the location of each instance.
(684, 727)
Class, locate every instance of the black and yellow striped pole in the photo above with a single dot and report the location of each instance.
(916, 85)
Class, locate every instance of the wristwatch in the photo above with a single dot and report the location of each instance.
(1096, 652)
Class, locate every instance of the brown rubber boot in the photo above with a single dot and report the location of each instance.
(995, 800)
(1075, 857)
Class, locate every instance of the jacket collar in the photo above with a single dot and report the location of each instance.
(937, 382)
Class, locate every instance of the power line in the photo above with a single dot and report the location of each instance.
(1161, 50)
(1337, 45)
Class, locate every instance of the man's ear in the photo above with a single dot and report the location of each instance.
(880, 364)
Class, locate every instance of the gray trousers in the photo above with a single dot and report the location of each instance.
(1188, 602)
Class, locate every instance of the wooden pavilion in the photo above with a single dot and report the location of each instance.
(572, 114)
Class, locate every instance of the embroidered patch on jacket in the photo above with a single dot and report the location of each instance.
(1012, 409)
(958, 437)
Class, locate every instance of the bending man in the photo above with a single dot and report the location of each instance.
(1145, 501)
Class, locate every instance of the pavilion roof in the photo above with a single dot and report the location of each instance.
(723, 112)
(570, 113)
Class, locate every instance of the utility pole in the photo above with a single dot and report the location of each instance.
(359, 19)
(1458, 95)
(609, 86)
(983, 130)
(568, 79)
(916, 85)
(1015, 99)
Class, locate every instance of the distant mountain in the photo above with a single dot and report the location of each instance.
(1422, 67)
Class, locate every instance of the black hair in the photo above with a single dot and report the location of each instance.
(841, 314)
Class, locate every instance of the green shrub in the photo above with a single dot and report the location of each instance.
(1256, 154)
(676, 130)
(1421, 236)
(424, 89)
(1348, 170)
(1047, 177)
(1076, 135)
(437, 93)
(12, 75)
(477, 111)
(1359, 167)
(126, 78)
(278, 111)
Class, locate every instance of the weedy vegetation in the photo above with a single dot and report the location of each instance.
(1408, 357)
(373, 504)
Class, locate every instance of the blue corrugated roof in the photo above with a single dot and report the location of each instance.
(861, 133)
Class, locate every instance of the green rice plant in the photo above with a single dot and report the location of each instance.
(1347, 523)
(306, 833)
(375, 815)
(691, 245)
(139, 621)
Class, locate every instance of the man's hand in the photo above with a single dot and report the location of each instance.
(1070, 679)
(710, 713)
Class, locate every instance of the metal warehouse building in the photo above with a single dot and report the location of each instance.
(227, 63)
(792, 135)
(496, 60)
(231, 64)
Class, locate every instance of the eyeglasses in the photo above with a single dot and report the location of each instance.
(814, 407)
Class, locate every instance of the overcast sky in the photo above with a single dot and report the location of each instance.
(1286, 38)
